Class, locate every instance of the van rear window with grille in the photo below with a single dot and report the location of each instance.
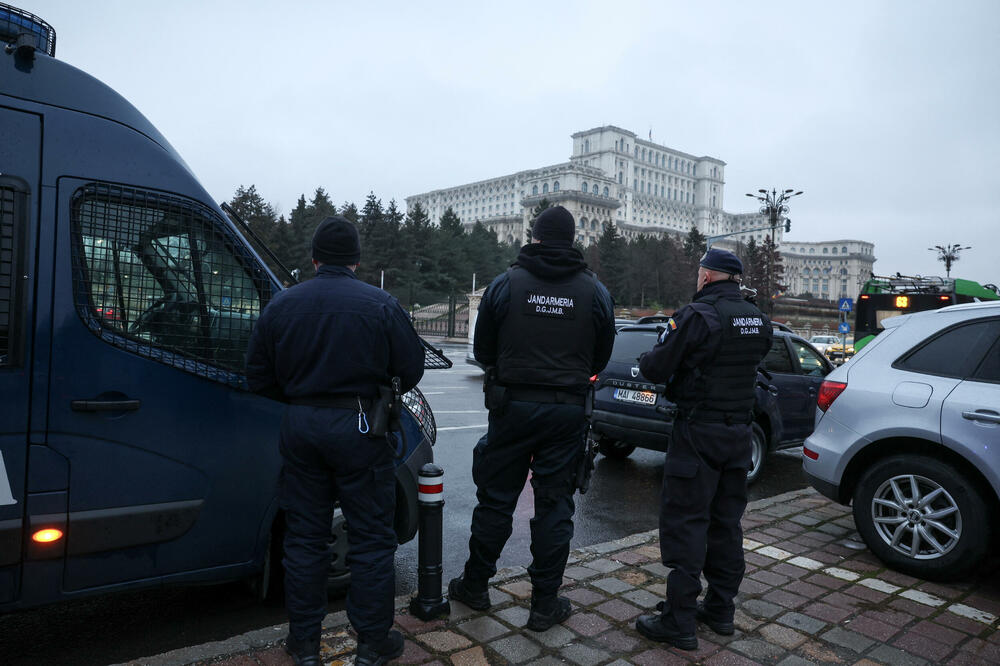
(162, 277)
(13, 207)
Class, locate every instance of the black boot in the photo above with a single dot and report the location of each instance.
(475, 599)
(547, 612)
(662, 629)
(714, 622)
(380, 652)
(303, 654)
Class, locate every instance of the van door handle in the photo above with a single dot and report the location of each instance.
(104, 405)
(988, 416)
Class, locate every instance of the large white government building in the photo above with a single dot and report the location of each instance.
(828, 269)
(612, 177)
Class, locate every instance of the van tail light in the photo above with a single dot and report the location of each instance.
(593, 380)
(828, 392)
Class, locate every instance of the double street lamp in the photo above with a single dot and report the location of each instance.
(949, 254)
(773, 205)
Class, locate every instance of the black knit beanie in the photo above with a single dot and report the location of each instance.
(336, 242)
(554, 226)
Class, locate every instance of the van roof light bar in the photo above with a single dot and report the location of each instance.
(16, 22)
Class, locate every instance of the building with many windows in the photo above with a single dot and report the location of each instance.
(615, 177)
(612, 176)
(828, 269)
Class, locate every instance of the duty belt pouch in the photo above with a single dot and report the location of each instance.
(381, 412)
(494, 394)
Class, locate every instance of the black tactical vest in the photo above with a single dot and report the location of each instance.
(547, 337)
(723, 390)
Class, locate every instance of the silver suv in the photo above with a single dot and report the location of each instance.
(909, 432)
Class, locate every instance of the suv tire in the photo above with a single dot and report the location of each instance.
(758, 452)
(612, 448)
(902, 496)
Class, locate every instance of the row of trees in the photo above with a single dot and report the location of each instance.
(423, 262)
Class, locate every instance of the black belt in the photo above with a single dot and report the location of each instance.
(548, 397)
(707, 416)
(337, 401)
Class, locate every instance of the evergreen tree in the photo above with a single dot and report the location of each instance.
(612, 250)
(349, 211)
(695, 243)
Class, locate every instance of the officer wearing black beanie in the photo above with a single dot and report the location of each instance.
(707, 355)
(544, 327)
(326, 345)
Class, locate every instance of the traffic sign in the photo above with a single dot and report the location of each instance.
(844, 327)
(846, 304)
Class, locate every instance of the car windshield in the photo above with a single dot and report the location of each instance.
(822, 339)
(630, 344)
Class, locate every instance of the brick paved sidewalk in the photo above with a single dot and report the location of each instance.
(813, 594)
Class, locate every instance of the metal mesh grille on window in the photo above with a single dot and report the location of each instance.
(11, 207)
(161, 277)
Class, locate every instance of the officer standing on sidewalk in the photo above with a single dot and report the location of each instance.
(325, 346)
(708, 356)
(544, 327)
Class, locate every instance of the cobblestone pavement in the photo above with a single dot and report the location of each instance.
(813, 594)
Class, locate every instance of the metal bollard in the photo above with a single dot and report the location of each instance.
(429, 603)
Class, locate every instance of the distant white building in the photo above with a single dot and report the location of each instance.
(614, 176)
(611, 176)
(827, 269)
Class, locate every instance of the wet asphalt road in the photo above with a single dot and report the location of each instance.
(622, 501)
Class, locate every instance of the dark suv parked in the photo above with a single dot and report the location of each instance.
(630, 411)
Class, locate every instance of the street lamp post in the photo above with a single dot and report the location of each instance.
(949, 254)
(773, 206)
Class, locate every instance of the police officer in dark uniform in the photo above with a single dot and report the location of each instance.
(325, 346)
(707, 355)
(544, 327)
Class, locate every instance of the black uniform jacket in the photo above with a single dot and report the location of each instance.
(547, 263)
(332, 335)
(691, 337)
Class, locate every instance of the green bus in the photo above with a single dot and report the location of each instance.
(884, 297)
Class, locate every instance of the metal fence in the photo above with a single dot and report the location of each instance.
(450, 319)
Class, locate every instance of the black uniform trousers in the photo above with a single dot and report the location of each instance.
(326, 459)
(703, 499)
(547, 440)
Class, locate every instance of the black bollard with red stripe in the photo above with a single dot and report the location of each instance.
(429, 602)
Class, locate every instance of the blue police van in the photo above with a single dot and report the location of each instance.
(131, 453)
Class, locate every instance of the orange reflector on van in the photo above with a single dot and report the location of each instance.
(48, 535)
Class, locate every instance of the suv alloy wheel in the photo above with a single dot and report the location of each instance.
(758, 452)
(921, 516)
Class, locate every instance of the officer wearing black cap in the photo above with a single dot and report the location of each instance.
(324, 346)
(544, 327)
(707, 355)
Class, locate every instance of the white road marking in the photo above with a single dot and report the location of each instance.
(880, 585)
(973, 613)
(774, 553)
(842, 574)
(922, 598)
(468, 427)
(806, 563)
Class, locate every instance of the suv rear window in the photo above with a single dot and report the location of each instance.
(954, 353)
(629, 345)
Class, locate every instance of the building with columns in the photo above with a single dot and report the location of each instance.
(827, 269)
(613, 176)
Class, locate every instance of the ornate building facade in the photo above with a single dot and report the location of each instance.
(613, 176)
(827, 269)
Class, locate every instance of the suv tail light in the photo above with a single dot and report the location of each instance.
(828, 392)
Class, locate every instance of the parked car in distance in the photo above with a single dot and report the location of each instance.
(630, 411)
(823, 342)
(908, 431)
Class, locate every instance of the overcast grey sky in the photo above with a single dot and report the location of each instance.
(884, 113)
